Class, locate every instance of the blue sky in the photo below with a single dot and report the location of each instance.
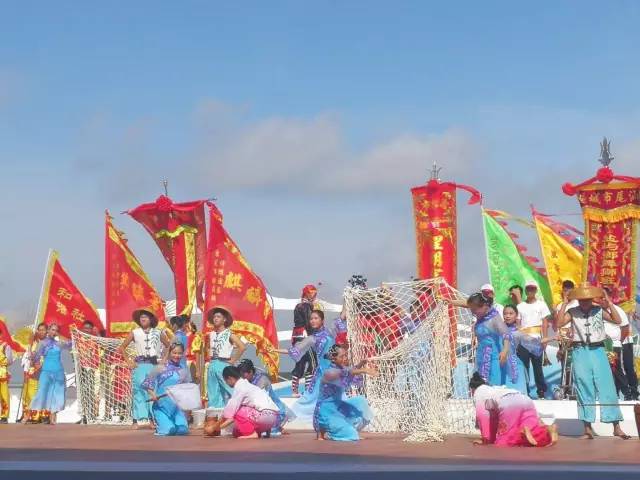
(309, 121)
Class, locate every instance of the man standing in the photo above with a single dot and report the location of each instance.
(301, 328)
(534, 321)
(592, 373)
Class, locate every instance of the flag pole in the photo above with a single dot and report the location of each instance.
(484, 232)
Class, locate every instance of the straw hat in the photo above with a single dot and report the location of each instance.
(145, 311)
(228, 319)
(586, 291)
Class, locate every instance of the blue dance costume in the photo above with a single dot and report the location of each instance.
(320, 342)
(220, 350)
(169, 419)
(147, 345)
(336, 416)
(51, 389)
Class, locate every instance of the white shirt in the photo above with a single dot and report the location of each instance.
(220, 345)
(571, 304)
(489, 395)
(588, 327)
(245, 394)
(614, 332)
(531, 316)
(147, 344)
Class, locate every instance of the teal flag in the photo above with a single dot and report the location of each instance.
(507, 266)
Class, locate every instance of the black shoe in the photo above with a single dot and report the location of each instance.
(4, 420)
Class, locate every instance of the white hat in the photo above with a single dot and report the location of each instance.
(530, 283)
(486, 286)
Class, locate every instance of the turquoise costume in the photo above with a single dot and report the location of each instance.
(592, 374)
(218, 392)
(320, 342)
(169, 419)
(51, 389)
(490, 331)
(336, 416)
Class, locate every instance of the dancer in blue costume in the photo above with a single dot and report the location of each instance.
(169, 419)
(320, 341)
(260, 379)
(51, 389)
(225, 349)
(148, 341)
(337, 417)
(178, 326)
(513, 373)
(492, 337)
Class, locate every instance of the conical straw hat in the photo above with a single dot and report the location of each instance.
(586, 291)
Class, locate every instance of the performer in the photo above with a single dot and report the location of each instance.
(492, 336)
(534, 321)
(148, 341)
(337, 417)
(513, 373)
(52, 384)
(194, 350)
(320, 341)
(169, 419)
(260, 379)
(6, 359)
(225, 348)
(301, 317)
(507, 418)
(31, 372)
(488, 291)
(250, 408)
(591, 371)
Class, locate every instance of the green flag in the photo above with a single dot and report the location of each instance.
(507, 266)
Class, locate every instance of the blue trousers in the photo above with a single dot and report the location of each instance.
(218, 392)
(169, 419)
(141, 408)
(594, 381)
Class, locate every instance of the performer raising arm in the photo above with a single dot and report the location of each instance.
(337, 417)
(592, 373)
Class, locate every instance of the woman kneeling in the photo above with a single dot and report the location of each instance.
(507, 418)
(338, 417)
(250, 409)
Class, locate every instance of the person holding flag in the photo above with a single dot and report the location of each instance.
(7, 349)
(31, 373)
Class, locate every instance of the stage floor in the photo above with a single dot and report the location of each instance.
(71, 451)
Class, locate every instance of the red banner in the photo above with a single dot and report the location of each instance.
(434, 207)
(5, 337)
(232, 285)
(127, 286)
(179, 230)
(611, 212)
(62, 303)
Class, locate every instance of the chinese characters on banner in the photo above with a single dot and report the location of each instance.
(232, 285)
(179, 231)
(434, 207)
(62, 302)
(611, 213)
(127, 286)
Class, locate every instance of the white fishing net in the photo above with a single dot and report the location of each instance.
(103, 379)
(422, 349)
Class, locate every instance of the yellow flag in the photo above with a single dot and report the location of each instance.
(562, 260)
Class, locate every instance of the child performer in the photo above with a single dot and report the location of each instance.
(31, 372)
(169, 419)
(305, 366)
(338, 417)
(225, 348)
(513, 372)
(507, 418)
(261, 380)
(51, 388)
(322, 339)
(249, 408)
(148, 341)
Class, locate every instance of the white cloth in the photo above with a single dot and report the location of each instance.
(531, 315)
(614, 332)
(489, 395)
(588, 327)
(147, 344)
(220, 345)
(245, 394)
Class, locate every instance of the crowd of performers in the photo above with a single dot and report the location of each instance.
(512, 338)
(509, 341)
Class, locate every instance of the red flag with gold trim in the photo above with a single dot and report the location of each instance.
(179, 230)
(127, 286)
(5, 337)
(61, 302)
(234, 286)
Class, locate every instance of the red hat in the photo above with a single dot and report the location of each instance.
(309, 290)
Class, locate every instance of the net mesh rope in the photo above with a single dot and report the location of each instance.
(103, 379)
(421, 347)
